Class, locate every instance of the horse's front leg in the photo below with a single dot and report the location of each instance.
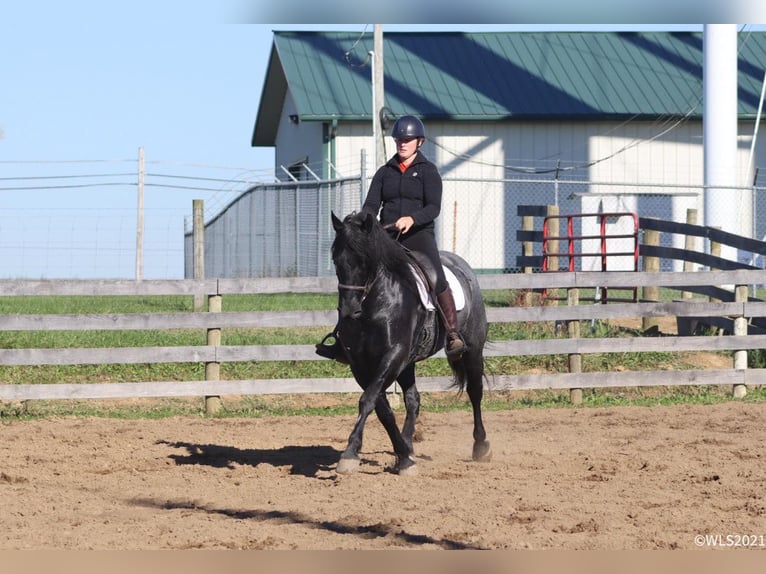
(405, 463)
(379, 380)
(349, 458)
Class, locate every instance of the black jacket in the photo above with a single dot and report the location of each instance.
(417, 192)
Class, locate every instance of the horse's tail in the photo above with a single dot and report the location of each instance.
(459, 375)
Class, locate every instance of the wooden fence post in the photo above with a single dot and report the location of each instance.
(740, 328)
(528, 224)
(575, 359)
(650, 293)
(715, 250)
(213, 368)
(689, 245)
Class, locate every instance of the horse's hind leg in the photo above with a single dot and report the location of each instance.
(474, 371)
(411, 403)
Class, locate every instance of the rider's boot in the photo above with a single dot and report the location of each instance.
(334, 350)
(454, 345)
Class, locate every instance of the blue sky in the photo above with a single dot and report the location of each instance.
(85, 84)
(186, 92)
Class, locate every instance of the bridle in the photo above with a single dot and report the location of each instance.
(365, 289)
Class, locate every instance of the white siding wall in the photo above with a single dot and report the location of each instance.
(637, 153)
(673, 159)
(473, 213)
(351, 139)
(479, 217)
(297, 142)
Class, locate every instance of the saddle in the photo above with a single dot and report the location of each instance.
(424, 268)
(425, 275)
(432, 334)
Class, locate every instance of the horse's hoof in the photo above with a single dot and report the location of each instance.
(482, 452)
(347, 465)
(407, 468)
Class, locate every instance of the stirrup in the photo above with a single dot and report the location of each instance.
(333, 351)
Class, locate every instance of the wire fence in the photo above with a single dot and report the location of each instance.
(79, 220)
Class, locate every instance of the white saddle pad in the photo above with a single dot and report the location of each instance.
(457, 290)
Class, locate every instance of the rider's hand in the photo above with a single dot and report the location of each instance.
(404, 224)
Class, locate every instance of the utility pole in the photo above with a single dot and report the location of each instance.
(378, 97)
(140, 217)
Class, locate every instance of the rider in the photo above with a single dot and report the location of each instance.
(407, 191)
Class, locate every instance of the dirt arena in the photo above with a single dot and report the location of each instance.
(570, 478)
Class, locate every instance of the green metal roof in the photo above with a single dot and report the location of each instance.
(498, 76)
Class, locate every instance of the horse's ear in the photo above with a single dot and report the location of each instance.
(368, 222)
(336, 223)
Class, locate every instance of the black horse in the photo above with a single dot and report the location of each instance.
(385, 329)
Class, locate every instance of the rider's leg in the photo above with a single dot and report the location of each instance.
(454, 345)
(425, 242)
(333, 350)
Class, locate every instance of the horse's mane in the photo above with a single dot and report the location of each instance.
(376, 246)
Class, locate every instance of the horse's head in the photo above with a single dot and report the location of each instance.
(361, 251)
(353, 253)
(354, 245)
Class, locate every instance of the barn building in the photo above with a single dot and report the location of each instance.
(591, 121)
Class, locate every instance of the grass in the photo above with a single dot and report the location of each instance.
(302, 405)
(345, 404)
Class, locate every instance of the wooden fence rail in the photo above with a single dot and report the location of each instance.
(738, 377)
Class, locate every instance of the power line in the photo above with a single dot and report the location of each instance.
(347, 53)
(229, 181)
(77, 186)
(189, 187)
(47, 161)
(223, 180)
(36, 177)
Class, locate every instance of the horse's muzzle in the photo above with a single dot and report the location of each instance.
(349, 312)
(356, 314)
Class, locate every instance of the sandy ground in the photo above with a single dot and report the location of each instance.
(570, 478)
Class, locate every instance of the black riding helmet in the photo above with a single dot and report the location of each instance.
(408, 127)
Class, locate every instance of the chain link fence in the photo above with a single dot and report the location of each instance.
(283, 229)
(275, 230)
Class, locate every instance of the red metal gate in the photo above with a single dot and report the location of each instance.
(574, 246)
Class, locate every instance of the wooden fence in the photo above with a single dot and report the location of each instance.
(739, 309)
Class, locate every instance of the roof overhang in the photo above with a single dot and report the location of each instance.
(270, 107)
